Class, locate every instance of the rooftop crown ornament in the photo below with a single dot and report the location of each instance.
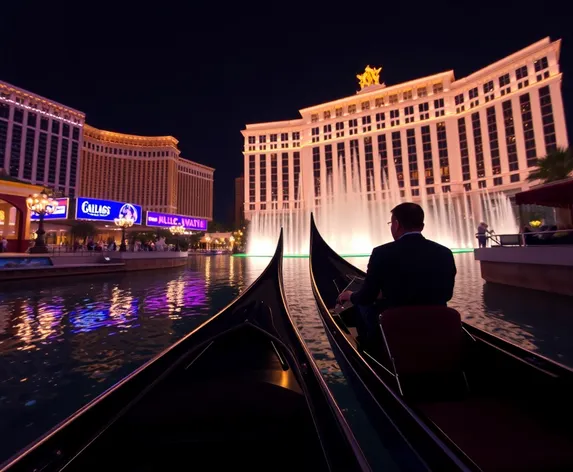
(371, 76)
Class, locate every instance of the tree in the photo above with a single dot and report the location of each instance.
(83, 230)
(556, 165)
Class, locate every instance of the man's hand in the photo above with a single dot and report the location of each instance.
(344, 296)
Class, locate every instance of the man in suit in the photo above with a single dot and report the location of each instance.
(412, 270)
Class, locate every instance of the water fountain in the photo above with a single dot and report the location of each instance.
(353, 221)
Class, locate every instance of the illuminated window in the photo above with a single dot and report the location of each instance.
(351, 108)
(338, 111)
(393, 99)
(422, 92)
(547, 119)
(379, 101)
(407, 95)
(528, 133)
(438, 88)
(326, 115)
(314, 117)
(365, 106)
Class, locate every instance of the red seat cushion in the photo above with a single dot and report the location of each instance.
(423, 339)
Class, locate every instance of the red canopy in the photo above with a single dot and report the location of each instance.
(557, 194)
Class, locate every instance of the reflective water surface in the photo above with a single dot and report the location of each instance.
(64, 341)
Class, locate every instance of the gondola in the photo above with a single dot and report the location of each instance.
(239, 392)
(505, 409)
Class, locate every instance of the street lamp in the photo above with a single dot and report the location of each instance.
(177, 231)
(42, 205)
(123, 223)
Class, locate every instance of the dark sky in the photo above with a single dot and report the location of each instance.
(200, 71)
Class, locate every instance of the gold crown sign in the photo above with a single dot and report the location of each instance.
(371, 76)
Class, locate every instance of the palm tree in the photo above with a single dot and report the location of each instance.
(556, 165)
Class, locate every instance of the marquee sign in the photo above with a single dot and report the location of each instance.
(165, 220)
(60, 213)
(106, 210)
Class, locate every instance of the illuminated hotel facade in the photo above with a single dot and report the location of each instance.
(429, 136)
(40, 140)
(145, 170)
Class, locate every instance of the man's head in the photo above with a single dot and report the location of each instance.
(406, 217)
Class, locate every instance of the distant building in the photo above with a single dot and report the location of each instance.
(239, 201)
(428, 136)
(145, 170)
(40, 140)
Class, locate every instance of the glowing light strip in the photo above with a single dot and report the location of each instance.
(36, 110)
(305, 256)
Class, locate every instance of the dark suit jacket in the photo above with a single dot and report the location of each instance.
(410, 271)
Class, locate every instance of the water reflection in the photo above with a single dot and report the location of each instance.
(67, 340)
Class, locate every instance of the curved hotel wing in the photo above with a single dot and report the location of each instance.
(431, 135)
(146, 171)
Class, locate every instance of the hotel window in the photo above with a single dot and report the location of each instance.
(262, 141)
(341, 155)
(478, 145)
(427, 150)
(407, 95)
(431, 191)
(315, 134)
(383, 154)
(380, 120)
(53, 159)
(284, 168)
(473, 93)
(459, 99)
(296, 176)
(296, 138)
(328, 161)
(65, 130)
(521, 73)
(439, 107)
(340, 129)
(327, 131)
(44, 124)
(351, 108)
(393, 99)
(397, 156)
(504, 84)
(379, 102)
(42, 147)
(394, 117)
(488, 91)
(19, 115)
(314, 117)
(493, 141)
(316, 170)
(528, 133)
(539, 66)
(274, 141)
(467, 187)
(497, 181)
(355, 158)
(438, 88)
(464, 153)
(482, 184)
(284, 140)
(369, 161)
(16, 147)
(338, 111)
(547, 119)
(443, 152)
(274, 178)
(365, 106)
(366, 123)
(353, 126)
(446, 189)
(326, 115)
(409, 114)
(423, 109)
(514, 178)
(32, 119)
(422, 92)
(29, 153)
(510, 135)
(412, 158)
(263, 179)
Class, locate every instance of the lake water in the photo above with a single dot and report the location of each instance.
(64, 341)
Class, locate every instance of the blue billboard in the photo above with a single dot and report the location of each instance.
(60, 212)
(106, 210)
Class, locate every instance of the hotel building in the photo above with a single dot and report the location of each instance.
(40, 140)
(427, 136)
(239, 201)
(144, 170)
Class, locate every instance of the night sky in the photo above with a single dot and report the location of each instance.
(202, 71)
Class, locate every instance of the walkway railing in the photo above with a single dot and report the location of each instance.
(538, 238)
